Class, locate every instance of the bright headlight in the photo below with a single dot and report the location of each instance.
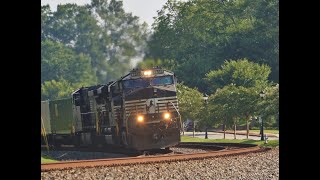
(147, 73)
(166, 116)
(140, 118)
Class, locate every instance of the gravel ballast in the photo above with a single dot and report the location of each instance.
(263, 165)
(76, 155)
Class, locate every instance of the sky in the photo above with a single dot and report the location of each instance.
(144, 9)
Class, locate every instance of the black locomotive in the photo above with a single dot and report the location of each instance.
(138, 111)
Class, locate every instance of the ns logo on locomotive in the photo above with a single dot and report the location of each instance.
(139, 111)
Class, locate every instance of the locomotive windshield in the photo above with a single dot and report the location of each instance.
(145, 82)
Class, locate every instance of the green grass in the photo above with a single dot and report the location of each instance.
(271, 143)
(45, 159)
(266, 131)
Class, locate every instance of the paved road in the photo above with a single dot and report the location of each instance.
(215, 135)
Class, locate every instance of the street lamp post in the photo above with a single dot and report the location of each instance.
(205, 98)
(261, 119)
(261, 128)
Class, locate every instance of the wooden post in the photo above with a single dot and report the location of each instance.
(224, 129)
(247, 119)
(235, 129)
(194, 127)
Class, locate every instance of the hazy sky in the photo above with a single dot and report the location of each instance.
(145, 9)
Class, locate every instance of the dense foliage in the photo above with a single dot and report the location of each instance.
(90, 44)
(190, 102)
(241, 73)
(199, 35)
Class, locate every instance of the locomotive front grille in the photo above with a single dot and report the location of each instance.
(163, 104)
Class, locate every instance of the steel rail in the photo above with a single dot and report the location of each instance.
(148, 159)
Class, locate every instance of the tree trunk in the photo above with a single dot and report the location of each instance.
(182, 126)
(235, 130)
(194, 128)
(247, 118)
(224, 129)
(206, 135)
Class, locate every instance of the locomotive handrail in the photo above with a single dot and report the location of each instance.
(178, 113)
(175, 108)
(44, 134)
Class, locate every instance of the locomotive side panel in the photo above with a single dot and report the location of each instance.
(45, 117)
(61, 116)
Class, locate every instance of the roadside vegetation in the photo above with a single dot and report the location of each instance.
(45, 159)
(267, 131)
(271, 143)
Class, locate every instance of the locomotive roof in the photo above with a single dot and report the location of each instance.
(158, 71)
(154, 72)
(90, 88)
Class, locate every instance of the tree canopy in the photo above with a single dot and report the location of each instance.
(190, 102)
(199, 35)
(90, 44)
(241, 73)
(59, 61)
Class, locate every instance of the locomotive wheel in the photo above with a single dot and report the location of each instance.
(167, 148)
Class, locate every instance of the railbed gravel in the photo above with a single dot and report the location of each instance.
(181, 150)
(77, 155)
(262, 165)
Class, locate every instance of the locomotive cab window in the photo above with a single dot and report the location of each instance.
(145, 82)
(164, 80)
(136, 83)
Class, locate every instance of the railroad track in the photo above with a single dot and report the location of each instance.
(239, 149)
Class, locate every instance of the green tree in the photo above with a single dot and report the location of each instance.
(217, 114)
(45, 21)
(112, 38)
(123, 37)
(56, 89)
(235, 102)
(241, 81)
(269, 104)
(247, 104)
(224, 103)
(59, 61)
(240, 73)
(149, 63)
(190, 102)
(200, 35)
